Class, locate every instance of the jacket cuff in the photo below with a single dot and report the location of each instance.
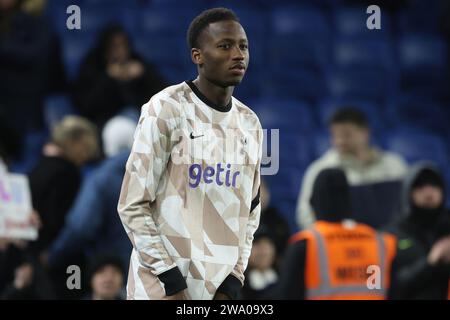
(231, 286)
(173, 281)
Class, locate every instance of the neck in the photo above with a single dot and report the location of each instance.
(218, 95)
(363, 155)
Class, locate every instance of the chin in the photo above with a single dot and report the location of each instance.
(233, 82)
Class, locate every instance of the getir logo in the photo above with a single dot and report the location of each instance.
(221, 175)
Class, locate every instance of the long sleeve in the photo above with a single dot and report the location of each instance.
(409, 279)
(305, 215)
(82, 223)
(234, 282)
(145, 167)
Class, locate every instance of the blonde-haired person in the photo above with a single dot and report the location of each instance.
(56, 179)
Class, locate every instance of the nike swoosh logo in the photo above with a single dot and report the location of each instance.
(193, 137)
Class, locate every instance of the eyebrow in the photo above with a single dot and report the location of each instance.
(232, 40)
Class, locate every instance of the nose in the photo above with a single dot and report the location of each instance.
(238, 54)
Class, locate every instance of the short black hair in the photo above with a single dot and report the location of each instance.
(103, 260)
(349, 115)
(205, 18)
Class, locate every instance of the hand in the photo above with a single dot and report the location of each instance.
(133, 69)
(35, 219)
(440, 252)
(221, 296)
(116, 71)
(23, 276)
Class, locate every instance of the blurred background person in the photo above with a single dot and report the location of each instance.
(55, 182)
(261, 274)
(373, 174)
(272, 220)
(330, 259)
(92, 225)
(106, 279)
(421, 269)
(113, 76)
(30, 64)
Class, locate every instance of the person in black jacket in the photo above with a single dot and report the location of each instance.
(331, 202)
(113, 77)
(421, 269)
(55, 181)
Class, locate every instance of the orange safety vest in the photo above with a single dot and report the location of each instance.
(448, 293)
(340, 261)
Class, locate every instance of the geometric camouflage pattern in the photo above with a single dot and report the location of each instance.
(187, 192)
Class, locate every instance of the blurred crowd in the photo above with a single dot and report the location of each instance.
(354, 188)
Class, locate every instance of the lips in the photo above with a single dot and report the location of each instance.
(238, 69)
(239, 66)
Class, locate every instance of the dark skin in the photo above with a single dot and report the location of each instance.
(222, 59)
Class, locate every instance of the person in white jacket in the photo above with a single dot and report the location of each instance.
(373, 174)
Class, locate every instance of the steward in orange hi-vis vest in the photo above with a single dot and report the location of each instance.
(346, 262)
(336, 258)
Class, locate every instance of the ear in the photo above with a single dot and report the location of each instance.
(196, 56)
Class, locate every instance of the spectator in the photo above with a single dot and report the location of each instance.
(330, 260)
(261, 274)
(21, 277)
(374, 175)
(271, 218)
(112, 77)
(92, 225)
(55, 181)
(421, 269)
(107, 279)
(30, 65)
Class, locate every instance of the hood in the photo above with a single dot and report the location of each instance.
(118, 135)
(330, 197)
(417, 174)
(434, 221)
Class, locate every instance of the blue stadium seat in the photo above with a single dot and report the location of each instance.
(56, 107)
(418, 51)
(286, 115)
(417, 145)
(295, 150)
(300, 83)
(419, 17)
(349, 52)
(423, 63)
(300, 37)
(164, 50)
(361, 84)
(299, 20)
(320, 143)
(417, 111)
(351, 22)
(75, 45)
(162, 22)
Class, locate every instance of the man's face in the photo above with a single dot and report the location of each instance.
(263, 254)
(118, 50)
(107, 283)
(223, 55)
(349, 138)
(427, 197)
